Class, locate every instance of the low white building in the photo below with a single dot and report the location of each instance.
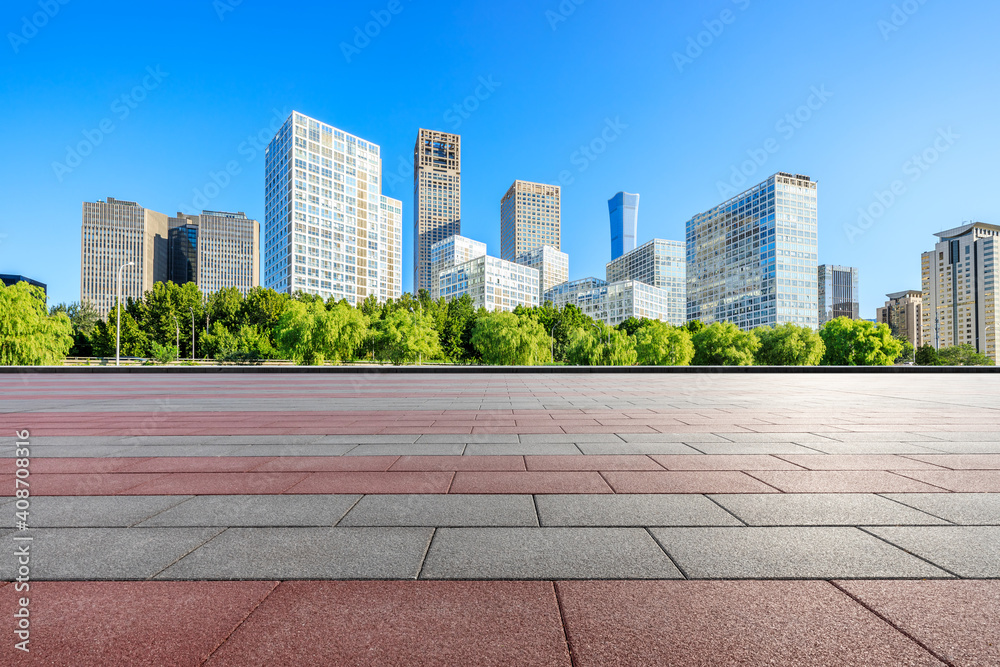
(449, 253)
(613, 303)
(492, 283)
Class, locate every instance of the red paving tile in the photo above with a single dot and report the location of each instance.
(199, 464)
(961, 481)
(517, 430)
(722, 462)
(745, 623)
(960, 461)
(86, 484)
(454, 463)
(41, 465)
(217, 484)
(374, 482)
(599, 462)
(328, 464)
(85, 624)
(401, 623)
(842, 481)
(529, 482)
(707, 481)
(856, 462)
(958, 620)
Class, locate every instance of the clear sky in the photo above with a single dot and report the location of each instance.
(670, 97)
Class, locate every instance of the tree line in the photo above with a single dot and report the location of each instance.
(177, 322)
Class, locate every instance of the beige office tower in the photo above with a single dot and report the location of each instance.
(960, 300)
(216, 250)
(115, 233)
(529, 219)
(437, 198)
(390, 244)
(902, 312)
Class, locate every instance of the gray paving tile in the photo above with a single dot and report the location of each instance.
(883, 436)
(803, 438)
(177, 450)
(822, 509)
(788, 553)
(408, 450)
(968, 509)
(107, 553)
(672, 437)
(593, 448)
(77, 451)
(546, 553)
(292, 450)
(753, 448)
(442, 510)
(537, 449)
(968, 551)
(95, 511)
(631, 510)
(265, 510)
(963, 436)
(466, 438)
(568, 437)
(306, 553)
(366, 439)
(73, 440)
(222, 440)
(964, 447)
(892, 447)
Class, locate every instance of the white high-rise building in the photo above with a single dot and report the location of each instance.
(449, 253)
(613, 303)
(323, 229)
(552, 265)
(659, 263)
(492, 283)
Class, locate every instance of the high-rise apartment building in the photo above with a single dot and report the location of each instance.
(390, 249)
(215, 250)
(659, 263)
(613, 303)
(529, 218)
(753, 259)
(837, 292)
(624, 210)
(437, 198)
(492, 283)
(960, 299)
(902, 312)
(323, 229)
(448, 254)
(552, 265)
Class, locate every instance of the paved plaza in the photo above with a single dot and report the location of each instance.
(477, 518)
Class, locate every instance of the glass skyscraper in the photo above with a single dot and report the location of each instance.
(838, 293)
(753, 259)
(624, 210)
(659, 263)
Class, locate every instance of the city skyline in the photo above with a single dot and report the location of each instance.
(849, 120)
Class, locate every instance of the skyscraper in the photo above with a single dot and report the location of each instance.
(529, 218)
(215, 250)
(659, 263)
(552, 265)
(902, 312)
(323, 223)
(752, 260)
(960, 300)
(837, 292)
(449, 253)
(437, 198)
(624, 210)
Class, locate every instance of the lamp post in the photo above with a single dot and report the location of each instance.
(191, 308)
(118, 325)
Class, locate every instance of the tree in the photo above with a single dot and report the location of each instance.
(311, 334)
(456, 336)
(600, 345)
(506, 339)
(632, 325)
(404, 337)
(659, 344)
(248, 344)
(907, 353)
(134, 341)
(226, 307)
(29, 336)
(858, 343)
(164, 354)
(263, 307)
(926, 356)
(789, 345)
(84, 318)
(724, 344)
(694, 326)
(962, 355)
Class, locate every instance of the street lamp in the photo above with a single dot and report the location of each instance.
(118, 326)
(191, 308)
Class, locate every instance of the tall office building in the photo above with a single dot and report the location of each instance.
(838, 292)
(659, 263)
(114, 233)
(529, 218)
(323, 230)
(448, 254)
(552, 265)
(753, 259)
(613, 303)
(437, 198)
(960, 300)
(624, 210)
(215, 250)
(492, 283)
(902, 312)
(390, 249)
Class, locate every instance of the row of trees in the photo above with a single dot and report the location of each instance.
(177, 321)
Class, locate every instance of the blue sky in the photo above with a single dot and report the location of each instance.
(674, 99)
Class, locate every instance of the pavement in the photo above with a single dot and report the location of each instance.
(502, 519)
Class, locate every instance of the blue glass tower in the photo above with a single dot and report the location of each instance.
(624, 209)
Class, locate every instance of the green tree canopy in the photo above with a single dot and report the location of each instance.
(506, 339)
(29, 336)
(962, 355)
(724, 344)
(311, 334)
(659, 344)
(404, 337)
(926, 355)
(84, 318)
(600, 345)
(789, 345)
(858, 343)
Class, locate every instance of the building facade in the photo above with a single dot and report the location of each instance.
(753, 259)
(437, 198)
(837, 292)
(959, 293)
(624, 210)
(215, 249)
(659, 263)
(903, 313)
(390, 249)
(323, 230)
(529, 218)
(492, 283)
(552, 265)
(448, 254)
(10, 280)
(613, 303)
